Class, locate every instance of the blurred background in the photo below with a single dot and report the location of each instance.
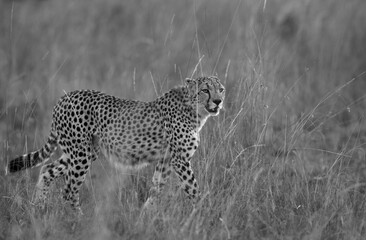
(294, 70)
(301, 49)
(298, 49)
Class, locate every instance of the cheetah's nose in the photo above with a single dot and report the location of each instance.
(217, 101)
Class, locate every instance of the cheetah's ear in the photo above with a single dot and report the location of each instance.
(190, 82)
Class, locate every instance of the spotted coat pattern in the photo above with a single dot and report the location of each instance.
(132, 133)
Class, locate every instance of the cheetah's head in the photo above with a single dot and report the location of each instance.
(207, 93)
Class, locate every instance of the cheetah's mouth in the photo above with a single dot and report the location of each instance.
(213, 110)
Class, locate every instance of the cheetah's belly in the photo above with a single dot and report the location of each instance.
(127, 158)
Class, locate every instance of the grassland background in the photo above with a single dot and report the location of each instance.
(284, 160)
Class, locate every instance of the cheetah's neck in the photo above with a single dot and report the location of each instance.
(184, 105)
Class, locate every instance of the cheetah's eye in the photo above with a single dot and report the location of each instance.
(221, 90)
(205, 91)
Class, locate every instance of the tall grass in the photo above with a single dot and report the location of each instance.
(285, 159)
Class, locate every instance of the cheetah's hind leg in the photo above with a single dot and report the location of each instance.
(48, 174)
(76, 175)
(160, 177)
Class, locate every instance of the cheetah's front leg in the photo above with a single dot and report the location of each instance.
(183, 169)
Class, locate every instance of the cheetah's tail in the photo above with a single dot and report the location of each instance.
(35, 158)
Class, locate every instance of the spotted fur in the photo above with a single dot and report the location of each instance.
(132, 133)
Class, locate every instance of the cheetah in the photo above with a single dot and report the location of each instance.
(131, 133)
